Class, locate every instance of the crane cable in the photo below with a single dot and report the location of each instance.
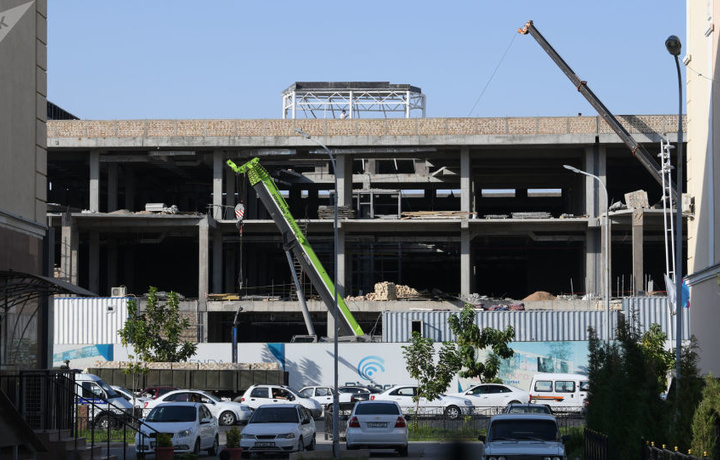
(239, 215)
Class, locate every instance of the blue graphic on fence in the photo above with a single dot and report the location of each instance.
(369, 366)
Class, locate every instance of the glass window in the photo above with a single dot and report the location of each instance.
(565, 386)
(543, 385)
(260, 392)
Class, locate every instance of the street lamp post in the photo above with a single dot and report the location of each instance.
(674, 46)
(336, 401)
(607, 247)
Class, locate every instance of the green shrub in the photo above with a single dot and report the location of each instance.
(164, 440)
(232, 437)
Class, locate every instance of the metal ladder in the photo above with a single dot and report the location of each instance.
(668, 225)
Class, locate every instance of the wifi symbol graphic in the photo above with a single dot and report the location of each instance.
(369, 366)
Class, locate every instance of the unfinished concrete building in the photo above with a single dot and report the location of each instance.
(447, 206)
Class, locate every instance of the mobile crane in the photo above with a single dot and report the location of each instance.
(637, 149)
(294, 240)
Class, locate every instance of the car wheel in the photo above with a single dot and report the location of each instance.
(196, 450)
(227, 418)
(311, 446)
(403, 451)
(104, 422)
(213, 451)
(452, 412)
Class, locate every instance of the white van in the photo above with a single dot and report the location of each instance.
(561, 392)
(105, 406)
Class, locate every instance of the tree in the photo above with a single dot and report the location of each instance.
(653, 344)
(155, 334)
(433, 379)
(471, 341)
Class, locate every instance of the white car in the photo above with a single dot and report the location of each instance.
(227, 412)
(192, 426)
(452, 406)
(139, 401)
(377, 424)
(258, 395)
(278, 428)
(495, 395)
(523, 436)
(347, 395)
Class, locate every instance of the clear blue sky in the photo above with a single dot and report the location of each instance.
(138, 59)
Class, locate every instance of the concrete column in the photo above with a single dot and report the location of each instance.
(94, 262)
(467, 277)
(112, 263)
(112, 199)
(593, 236)
(638, 226)
(217, 261)
(217, 185)
(69, 245)
(343, 164)
(94, 205)
(129, 188)
(341, 263)
(466, 189)
(203, 278)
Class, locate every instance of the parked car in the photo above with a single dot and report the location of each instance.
(527, 409)
(452, 406)
(347, 395)
(562, 392)
(105, 407)
(523, 436)
(258, 395)
(227, 412)
(192, 425)
(278, 428)
(495, 395)
(377, 424)
(154, 392)
(132, 398)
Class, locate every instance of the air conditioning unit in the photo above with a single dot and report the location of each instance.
(119, 291)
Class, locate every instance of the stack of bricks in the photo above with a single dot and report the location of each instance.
(385, 291)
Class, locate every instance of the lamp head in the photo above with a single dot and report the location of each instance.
(673, 45)
(571, 168)
(302, 133)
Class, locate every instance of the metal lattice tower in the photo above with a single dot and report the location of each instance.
(356, 99)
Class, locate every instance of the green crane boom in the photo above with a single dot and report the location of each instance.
(295, 241)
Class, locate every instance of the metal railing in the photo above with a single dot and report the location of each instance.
(652, 452)
(433, 422)
(50, 401)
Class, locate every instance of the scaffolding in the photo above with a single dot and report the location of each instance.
(352, 100)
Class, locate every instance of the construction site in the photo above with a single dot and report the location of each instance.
(477, 210)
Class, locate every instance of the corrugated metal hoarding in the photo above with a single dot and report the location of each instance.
(89, 320)
(530, 326)
(541, 325)
(644, 311)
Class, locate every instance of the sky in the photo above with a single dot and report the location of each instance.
(225, 59)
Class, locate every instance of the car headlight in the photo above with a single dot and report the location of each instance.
(287, 436)
(185, 434)
(247, 436)
(468, 402)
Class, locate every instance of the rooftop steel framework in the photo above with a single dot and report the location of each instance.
(355, 99)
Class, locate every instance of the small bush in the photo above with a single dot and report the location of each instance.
(232, 437)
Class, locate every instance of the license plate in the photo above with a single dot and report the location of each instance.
(264, 444)
(377, 424)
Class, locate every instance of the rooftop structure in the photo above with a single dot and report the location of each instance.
(353, 100)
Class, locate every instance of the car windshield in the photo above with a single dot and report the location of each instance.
(172, 413)
(376, 408)
(275, 415)
(211, 397)
(529, 409)
(537, 430)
